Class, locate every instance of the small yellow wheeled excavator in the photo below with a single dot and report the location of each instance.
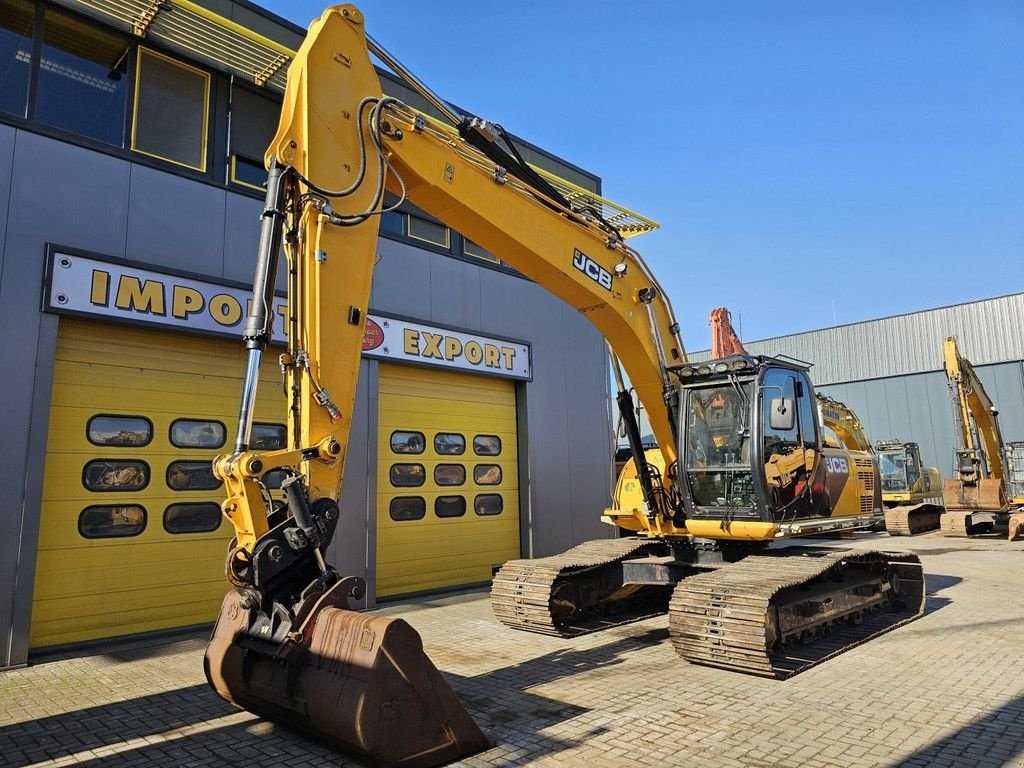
(911, 492)
(744, 463)
(977, 499)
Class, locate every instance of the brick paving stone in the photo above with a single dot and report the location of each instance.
(943, 691)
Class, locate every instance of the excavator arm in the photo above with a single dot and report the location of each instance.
(978, 492)
(972, 405)
(284, 637)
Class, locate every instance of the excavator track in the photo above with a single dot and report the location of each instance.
(576, 592)
(780, 613)
(959, 523)
(912, 519)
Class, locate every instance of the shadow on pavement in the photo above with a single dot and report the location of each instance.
(108, 724)
(499, 701)
(995, 738)
(933, 584)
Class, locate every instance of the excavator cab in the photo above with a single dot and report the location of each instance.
(900, 467)
(749, 443)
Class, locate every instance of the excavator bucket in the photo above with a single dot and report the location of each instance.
(982, 496)
(1016, 530)
(971, 509)
(360, 682)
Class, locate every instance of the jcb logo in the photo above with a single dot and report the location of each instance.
(837, 465)
(592, 269)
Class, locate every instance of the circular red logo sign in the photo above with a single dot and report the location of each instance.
(373, 335)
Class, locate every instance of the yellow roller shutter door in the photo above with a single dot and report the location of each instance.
(448, 491)
(131, 539)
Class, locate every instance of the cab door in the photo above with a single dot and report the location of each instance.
(794, 471)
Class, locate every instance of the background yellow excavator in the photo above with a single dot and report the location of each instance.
(744, 462)
(911, 492)
(978, 498)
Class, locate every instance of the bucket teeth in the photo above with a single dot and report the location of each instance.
(362, 683)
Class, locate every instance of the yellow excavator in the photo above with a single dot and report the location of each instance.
(744, 462)
(911, 492)
(977, 499)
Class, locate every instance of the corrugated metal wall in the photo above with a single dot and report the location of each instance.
(989, 331)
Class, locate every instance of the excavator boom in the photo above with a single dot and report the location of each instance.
(976, 498)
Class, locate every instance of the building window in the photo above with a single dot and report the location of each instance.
(408, 442)
(487, 474)
(472, 249)
(449, 474)
(17, 19)
(83, 79)
(253, 124)
(111, 522)
(193, 433)
(133, 431)
(115, 475)
(408, 475)
(450, 506)
(449, 444)
(202, 517)
(192, 476)
(487, 504)
(487, 445)
(268, 437)
(172, 104)
(429, 231)
(407, 508)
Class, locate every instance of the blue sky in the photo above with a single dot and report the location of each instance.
(809, 163)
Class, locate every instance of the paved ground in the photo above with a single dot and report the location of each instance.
(947, 690)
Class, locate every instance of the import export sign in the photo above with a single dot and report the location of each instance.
(89, 285)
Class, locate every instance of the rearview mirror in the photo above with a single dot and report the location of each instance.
(783, 413)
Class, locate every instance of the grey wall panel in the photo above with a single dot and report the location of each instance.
(454, 292)
(174, 222)
(589, 436)
(7, 138)
(352, 551)
(1004, 385)
(241, 237)
(401, 280)
(61, 194)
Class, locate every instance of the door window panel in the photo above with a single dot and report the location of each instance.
(115, 475)
(111, 522)
(192, 476)
(450, 506)
(196, 433)
(408, 475)
(404, 508)
(408, 442)
(449, 474)
(487, 445)
(449, 444)
(133, 431)
(268, 437)
(83, 79)
(488, 504)
(202, 517)
(487, 474)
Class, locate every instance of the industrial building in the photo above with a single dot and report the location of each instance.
(131, 143)
(890, 370)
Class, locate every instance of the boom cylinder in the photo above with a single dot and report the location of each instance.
(260, 320)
